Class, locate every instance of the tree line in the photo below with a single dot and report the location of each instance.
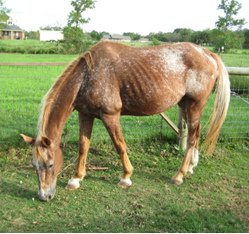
(228, 31)
(231, 39)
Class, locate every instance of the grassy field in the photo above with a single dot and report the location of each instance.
(214, 199)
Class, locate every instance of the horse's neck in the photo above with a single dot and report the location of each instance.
(63, 104)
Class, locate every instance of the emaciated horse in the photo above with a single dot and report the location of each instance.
(111, 80)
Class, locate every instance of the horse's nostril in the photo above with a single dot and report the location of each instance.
(49, 197)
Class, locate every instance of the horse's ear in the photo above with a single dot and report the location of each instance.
(28, 139)
(46, 142)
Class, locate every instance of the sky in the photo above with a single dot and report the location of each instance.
(118, 16)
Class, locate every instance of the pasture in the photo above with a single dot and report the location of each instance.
(213, 199)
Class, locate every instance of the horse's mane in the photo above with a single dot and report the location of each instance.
(50, 97)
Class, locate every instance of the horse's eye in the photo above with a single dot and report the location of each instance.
(50, 166)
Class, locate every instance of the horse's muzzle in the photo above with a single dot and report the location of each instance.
(47, 195)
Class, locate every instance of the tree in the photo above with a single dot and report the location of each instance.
(186, 33)
(73, 33)
(200, 37)
(175, 37)
(56, 27)
(246, 42)
(160, 36)
(3, 13)
(155, 42)
(32, 35)
(73, 40)
(134, 36)
(104, 33)
(75, 17)
(150, 36)
(231, 9)
(231, 40)
(95, 36)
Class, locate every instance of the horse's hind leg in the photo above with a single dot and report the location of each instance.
(195, 155)
(86, 125)
(192, 116)
(112, 124)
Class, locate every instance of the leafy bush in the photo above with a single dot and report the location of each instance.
(155, 42)
(230, 40)
(37, 47)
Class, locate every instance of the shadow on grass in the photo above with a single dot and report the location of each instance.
(16, 191)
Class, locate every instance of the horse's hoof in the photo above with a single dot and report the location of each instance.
(71, 187)
(73, 184)
(124, 183)
(190, 171)
(176, 181)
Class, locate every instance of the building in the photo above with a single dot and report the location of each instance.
(46, 35)
(116, 37)
(11, 31)
(142, 39)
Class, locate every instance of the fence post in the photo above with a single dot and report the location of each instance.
(183, 131)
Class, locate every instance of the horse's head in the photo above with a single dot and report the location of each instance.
(47, 160)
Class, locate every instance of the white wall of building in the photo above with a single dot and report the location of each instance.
(51, 35)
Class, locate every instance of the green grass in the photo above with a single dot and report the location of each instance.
(22, 42)
(236, 60)
(213, 199)
(36, 58)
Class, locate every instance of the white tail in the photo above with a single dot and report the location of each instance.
(220, 106)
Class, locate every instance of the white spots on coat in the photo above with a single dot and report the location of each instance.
(199, 49)
(194, 83)
(173, 61)
(203, 53)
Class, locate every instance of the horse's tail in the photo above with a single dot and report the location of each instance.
(220, 106)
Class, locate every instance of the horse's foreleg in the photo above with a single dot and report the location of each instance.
(86, 125)
(112, 124)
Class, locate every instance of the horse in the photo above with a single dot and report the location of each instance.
(112, 79)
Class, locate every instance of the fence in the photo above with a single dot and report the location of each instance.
(22, 86)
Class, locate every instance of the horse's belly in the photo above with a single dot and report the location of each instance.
(149, 103)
